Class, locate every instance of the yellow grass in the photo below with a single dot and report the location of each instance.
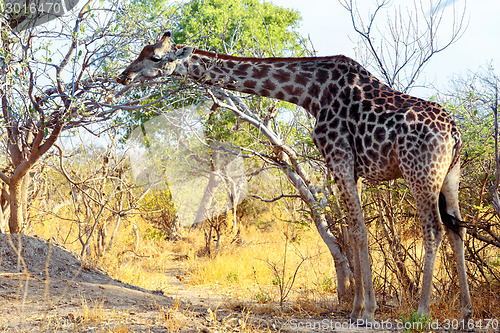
(92, 311)
(246, 270)
(174, 318)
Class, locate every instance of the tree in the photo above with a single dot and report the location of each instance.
(396, 42)
(398, 46)
(100, 191)
(473, 99)
(250, 125)
(240, 27)
(54, 77)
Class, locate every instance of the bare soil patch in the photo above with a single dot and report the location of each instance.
(43, 287)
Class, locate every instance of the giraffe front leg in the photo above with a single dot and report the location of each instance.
(370, 300)
(359, 297)
(364, 293)
(363, 261)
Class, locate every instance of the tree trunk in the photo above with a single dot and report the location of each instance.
(3, 221)
(25, 183)
(296, 174)
(175, 231)
(16, 220)
(4, 208)
(203, 212)
(18, 196)
(345, 277)
(234, 199)
(118, 218)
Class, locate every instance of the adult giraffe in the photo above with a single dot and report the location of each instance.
(363, 129)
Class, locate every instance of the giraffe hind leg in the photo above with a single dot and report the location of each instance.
(359, 297)
(424, 186)
(449, 207)
(432, 236)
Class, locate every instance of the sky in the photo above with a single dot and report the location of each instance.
(329, 27)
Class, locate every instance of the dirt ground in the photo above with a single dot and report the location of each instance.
(45, 288)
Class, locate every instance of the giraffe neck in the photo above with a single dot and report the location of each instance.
(300, 81)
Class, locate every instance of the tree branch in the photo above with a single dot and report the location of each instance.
(275, 198)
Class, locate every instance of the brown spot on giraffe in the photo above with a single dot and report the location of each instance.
(269, 85)
(260, 72)
(363, 129)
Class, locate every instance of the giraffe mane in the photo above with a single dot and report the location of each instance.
(270, 59)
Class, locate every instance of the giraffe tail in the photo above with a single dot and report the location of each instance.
(450, 221)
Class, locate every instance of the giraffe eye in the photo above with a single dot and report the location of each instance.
(155, 58)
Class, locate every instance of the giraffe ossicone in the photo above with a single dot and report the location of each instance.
(364, 129)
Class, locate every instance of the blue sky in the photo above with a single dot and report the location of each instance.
(329, 26)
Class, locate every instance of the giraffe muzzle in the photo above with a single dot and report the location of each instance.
(124, 79)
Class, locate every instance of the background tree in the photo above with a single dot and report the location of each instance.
(101, 191)
(54, 77)
(250, 124)
(240, 27)
(398, 41)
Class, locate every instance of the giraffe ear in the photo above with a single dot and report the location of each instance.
(184, 52)
(166, 36)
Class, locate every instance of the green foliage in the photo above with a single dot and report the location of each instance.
(155, 234)
(232, 277)
(477, 129)
(415, 322)
(243, 27)
(263, 297)
(277, 281)
(159, 210)
(326, 284)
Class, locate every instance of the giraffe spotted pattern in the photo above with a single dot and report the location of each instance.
(364, 129)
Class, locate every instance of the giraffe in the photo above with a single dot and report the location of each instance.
(364, 129)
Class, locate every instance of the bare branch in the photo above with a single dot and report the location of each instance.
(275, 198)
(401, 46)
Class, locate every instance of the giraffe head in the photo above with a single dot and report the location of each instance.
(156, 60)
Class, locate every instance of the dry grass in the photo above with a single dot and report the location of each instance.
(245, 271)
(174, 318)
(92, 311)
